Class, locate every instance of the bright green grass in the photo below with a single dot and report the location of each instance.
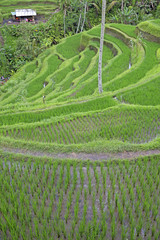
(36, 116)
(135, 75)
(70, 47)
(59, 76)
(127, 29)
(151, 27)
(82, 66)
(83, 73)
(131, 124)
(31, 67)
(147, 94)
(36, 85)
(112, 70)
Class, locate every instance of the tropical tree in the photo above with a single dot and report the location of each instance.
(110, 5)
(101, 47)
(63, 6)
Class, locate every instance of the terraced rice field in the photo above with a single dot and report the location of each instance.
(74, 115)
(46, 198)
(42, 199)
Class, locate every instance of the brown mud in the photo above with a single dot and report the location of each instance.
(83, 156)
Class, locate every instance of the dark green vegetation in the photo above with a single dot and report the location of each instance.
(24, 42)
(50, 199)
(73, 116)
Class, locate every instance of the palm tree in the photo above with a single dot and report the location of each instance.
(101, 47)
(110, 5)
(63, 6)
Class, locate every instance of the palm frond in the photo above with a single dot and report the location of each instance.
(111, 5)
(95, 5)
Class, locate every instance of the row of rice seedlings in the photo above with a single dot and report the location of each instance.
(27, 117)
(148, 63)
(58, 77)
(70, 47)
(138, 209)
(82, 67)
(89, 73)
(146, 94)
(51, 65)
(126, 126)
(112, 70)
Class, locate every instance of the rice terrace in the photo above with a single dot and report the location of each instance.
(74, 163)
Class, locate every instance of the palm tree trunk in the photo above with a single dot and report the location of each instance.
(79, 23)
(122, 5)
(101, 47)
(64, 22)
(85, 10)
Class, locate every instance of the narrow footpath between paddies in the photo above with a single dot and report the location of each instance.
(83, 156)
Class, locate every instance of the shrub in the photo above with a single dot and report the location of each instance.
(1, 17)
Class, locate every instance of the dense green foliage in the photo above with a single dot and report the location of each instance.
(24, 42)
(1, 17)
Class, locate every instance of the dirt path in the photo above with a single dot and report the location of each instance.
(83, 156)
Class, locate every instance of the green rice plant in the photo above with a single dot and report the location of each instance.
(99, 103)
(139, 226)
(81, 175)
(101, 200)
(85, 194)
(74, 177)
(153, 230)
(121, 213)
(82, 227)
(89, 185)
(157, 234)
(111, 210)
(113, 228)
(154, 211)
(104, 181)
(123, 233)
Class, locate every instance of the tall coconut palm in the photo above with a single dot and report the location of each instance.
(102, 40)
(101, 47)
(63, 6)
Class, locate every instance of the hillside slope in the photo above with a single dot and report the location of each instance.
(73, 116)
(77, 164)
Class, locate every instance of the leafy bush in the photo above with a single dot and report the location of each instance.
(1, 17)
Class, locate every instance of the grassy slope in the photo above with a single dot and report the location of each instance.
(151, 27)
